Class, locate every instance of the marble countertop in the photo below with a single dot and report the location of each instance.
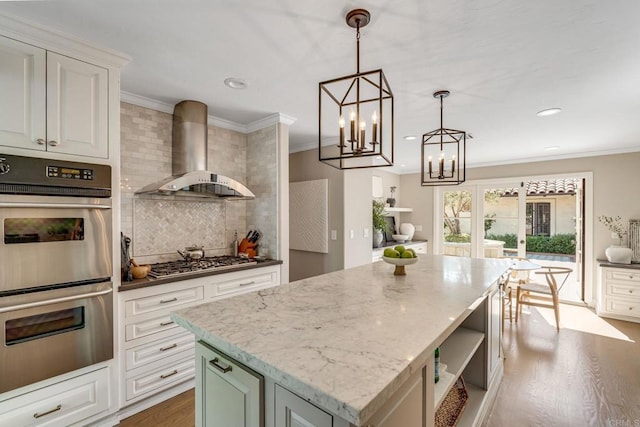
(606, 263)
(347, 340)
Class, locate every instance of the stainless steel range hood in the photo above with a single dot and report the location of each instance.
(189, 160)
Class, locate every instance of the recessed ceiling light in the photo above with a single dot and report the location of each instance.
(235, 83)
(403, 165)
(410, 137)
(553, 147)
(548, 112)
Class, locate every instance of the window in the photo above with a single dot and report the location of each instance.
(539, 219)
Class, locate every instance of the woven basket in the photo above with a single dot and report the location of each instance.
(452, 405)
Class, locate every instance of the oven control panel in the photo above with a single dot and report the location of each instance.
(69, 173)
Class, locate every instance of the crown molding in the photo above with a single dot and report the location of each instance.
(270, 121)
(47, 38)
(143, 101)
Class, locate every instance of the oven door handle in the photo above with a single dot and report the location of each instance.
(52, 205)
(54, 301)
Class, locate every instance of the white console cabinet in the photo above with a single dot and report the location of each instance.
(619, 292)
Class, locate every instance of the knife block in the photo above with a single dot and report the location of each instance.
(248, 248)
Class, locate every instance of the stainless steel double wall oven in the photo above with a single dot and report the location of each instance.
(56, 303)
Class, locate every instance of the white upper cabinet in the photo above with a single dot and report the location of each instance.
(53, 102)
(23, 89)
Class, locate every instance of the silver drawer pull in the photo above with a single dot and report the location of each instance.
(163, 376)
(248, 283)
(167, 323)
(51, 411)
(40, 141)
(219, 366)
(164, 301)
(169, 347)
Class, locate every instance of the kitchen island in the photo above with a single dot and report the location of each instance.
(359, 343)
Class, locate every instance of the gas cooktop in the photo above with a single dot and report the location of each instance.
(183, 267)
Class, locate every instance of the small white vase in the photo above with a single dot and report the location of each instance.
(618, 254)
(407, 229)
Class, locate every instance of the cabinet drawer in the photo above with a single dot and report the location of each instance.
(246, 283)
(158, 350)
(148, 327)
(164, 301)
(61, 404)
(626, 308)
(625, 290)
(625, 276)
(419, 249)
(161, 378)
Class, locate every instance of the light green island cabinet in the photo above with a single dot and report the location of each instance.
(314, 353)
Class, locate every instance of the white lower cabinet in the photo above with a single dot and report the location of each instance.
(294, 411)
(62, 404)
(227, 394)
(619, 292)
(157, 354)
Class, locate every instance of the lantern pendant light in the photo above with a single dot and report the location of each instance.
(443, 153)
(355, 124)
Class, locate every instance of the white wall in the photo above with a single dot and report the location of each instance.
(357, 217)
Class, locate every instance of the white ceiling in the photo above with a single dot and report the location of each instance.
(502, 61)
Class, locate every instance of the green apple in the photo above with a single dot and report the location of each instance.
(400, 249)
(407, 254)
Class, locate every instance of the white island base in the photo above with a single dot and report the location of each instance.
(266, 378)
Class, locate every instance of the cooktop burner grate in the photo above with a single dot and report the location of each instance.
(182, 267)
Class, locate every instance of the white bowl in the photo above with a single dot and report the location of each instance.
(400, 238)
(400, 261)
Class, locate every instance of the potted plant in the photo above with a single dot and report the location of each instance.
(379, 223)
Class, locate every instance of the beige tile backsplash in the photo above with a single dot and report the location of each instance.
(159, 226)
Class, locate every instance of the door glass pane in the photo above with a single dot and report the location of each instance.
(457, 223)
(500, 222)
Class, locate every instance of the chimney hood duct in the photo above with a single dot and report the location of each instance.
(189, 160)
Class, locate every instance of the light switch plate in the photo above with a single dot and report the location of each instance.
(334, 234)
(418, 227)
(365, 233)
(352, 234)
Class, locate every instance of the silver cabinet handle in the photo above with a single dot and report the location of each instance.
(53, 143)
(54, 301)
(168, 347)
(165, 301)
(219, 366)
(248, 283)
(166, 323)
(51, 411)
(41, 141)
(163, 376)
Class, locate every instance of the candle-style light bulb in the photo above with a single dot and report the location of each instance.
(430, 166)
(363, 126)
(352, 120)
(374, 130)
(453, 163)
(441, 165)
(341, 123)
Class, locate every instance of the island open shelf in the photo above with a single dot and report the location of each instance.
(455, 352)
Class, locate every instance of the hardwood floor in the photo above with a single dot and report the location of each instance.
(588, 374)
(176, 412)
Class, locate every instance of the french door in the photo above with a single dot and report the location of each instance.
(481, 221)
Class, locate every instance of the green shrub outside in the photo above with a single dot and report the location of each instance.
(558, 244)
(458, 238)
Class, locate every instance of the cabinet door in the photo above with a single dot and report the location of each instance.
(226, 393)
(293, 411)
(77, 107)
(23, 94)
